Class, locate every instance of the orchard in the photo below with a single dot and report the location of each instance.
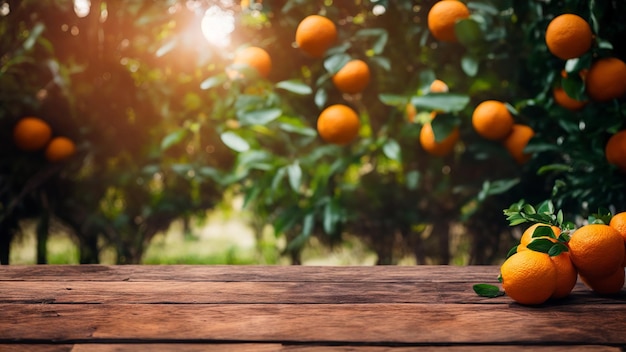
(410, 125)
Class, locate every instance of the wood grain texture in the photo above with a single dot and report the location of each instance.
(354, 323)
(296, 308)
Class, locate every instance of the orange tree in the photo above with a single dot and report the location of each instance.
(422, 166)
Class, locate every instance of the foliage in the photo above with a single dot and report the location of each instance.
(164, 127)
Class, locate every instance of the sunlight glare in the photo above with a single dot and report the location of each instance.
(82, 7)
(217, 25)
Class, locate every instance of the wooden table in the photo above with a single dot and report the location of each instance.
(295, 308)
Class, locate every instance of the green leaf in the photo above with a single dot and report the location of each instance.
(393, 99)
(542, 245)
(446, 102)
(412, 179)
(332, 216)
(528, 209)
(486, 290)
(173, 138)
(546, 207)
(295, 86)
(259, 117)
(557, 249)
(234, 141)
(543, 231)
(167, 47)
(470, 65)
(213, 82)
(380, 34)
(302, 130)
(33, 36)
(382, 62)
(294, 172)
(321, 96)
(442, 126)
(512, 251)
(554, 167)
(392, 150)
(334, 63)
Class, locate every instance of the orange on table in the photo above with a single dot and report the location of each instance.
(564, 100)
(59, 149)
(338, 124)
(316, 34)
(442, 18)
(256, 58)
(430, 145)
(529, 277)
(608, 285)
(566, 275)
(353, 77)
(492, 120)
(517, 140)
(606, 79)
(596, 250)
(615, 150)
(568, 36)
(618, 222)
(31, 133)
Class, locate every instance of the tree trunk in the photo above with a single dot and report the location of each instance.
(42, 231)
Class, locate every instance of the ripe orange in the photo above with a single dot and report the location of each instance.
(316, 34)
(441, 148)
(353, 77)
(443, 16)
(596, 250)
(256, 58)
(609, 285)
(564, 100)
(568, 36)
(566, 275)
(517, 140)
(618, 222)
(606, 79)
(492, 120)
(31, 133)
(438, 86)
(615, 150)
(338, 124)
(529, 277)
(60, 148)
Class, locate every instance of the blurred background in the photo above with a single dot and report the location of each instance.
(175, 160)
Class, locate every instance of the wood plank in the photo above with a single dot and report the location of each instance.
(252, 273)
(257, 347)
(262, 292)
(425, 324)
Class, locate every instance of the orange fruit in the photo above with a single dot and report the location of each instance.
(618, 222)
(338, 124)
(606, 79)
(568, 36)
(438, 86)
(517, 140)
(492, 120)
(529, 277)
(609, 285)
(256, 58)
(31, 133)
(410, 111)
(564, 100)
(60, 148)
(566, 275)
(615, 150)
(596, 250)
(353, 77)
(316, 34)
(443, 16)
(441, 148)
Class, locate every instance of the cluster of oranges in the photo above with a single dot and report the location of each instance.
(315, 34)
(569, 36)
(595, 252)
(33, 134)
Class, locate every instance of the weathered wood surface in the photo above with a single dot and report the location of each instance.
(268, 308)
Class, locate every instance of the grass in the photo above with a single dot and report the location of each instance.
(224, 238)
